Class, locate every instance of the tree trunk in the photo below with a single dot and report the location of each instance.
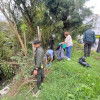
(27, 17)
(29, 23)
(25, 42)
(39, 33)
(33, 50)
(98, 49)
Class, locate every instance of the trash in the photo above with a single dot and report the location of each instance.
(60, 53)
(83, 62)
(4, 90)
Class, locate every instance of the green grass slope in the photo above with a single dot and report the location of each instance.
(69, 80)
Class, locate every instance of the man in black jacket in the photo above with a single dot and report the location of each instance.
(39, 63)
(88, 41)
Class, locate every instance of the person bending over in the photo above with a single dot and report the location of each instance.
(49, 56)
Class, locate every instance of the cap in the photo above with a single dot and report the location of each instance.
(36, 41)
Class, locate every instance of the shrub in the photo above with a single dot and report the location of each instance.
(7, 70)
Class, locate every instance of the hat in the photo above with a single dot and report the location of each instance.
(36, 41)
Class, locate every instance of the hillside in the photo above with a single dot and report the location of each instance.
(67, 80)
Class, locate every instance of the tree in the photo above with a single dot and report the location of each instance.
(28, 10)
(12, 23)
(68, 11)
(23, 29)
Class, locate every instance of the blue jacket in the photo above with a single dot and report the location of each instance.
(89, 36)
(51, 52)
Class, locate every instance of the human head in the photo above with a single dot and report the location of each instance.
(48, 55)
(36, 43)
(66, 34)
(51, 37)
(89, 27)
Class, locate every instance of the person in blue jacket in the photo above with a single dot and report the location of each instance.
(49, 56)
(88, 41)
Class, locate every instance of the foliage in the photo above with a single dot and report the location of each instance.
(6, 29)
(8, 70)
(68, 80)
(67, 11)
(22, 96)
(79, 30)
(52, 16)
(25, 63)
(6, 45)
(59, 16)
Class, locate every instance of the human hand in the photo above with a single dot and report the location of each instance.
(62, 42)
(49, 64)
(93, 44)
(35, 72)
(83, 43)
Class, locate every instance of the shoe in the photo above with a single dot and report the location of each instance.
(36, 93)
(68, 59)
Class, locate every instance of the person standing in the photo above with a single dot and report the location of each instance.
(51, 42)
(39, 63)
(69, 44)
(88, 41)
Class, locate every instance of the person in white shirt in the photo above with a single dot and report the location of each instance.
(69, 44)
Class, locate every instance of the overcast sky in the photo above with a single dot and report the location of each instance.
(95, 4)
(91, 3)
(2, 18)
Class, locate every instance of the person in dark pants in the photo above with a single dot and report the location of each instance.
(98, 48)
(39, 63)
(88, 41)
(51, 42)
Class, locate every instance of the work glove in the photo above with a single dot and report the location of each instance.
(49, 64)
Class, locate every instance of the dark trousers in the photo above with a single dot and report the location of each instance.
(40, 77)
(51, 44)
(87, 49)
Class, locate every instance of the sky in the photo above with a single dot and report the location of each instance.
(95, 4)
(90, 3)
(2, 18)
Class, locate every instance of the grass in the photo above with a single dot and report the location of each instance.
(71, 81)
(68, 80)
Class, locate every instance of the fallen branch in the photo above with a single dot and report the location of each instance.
(13, 63)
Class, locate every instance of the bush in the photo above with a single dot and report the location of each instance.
(7, 70)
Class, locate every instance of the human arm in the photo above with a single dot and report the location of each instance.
(84, 38)
(62, 42)
(52, 56)
(51, 60)
(46, 61)
(94, 39)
